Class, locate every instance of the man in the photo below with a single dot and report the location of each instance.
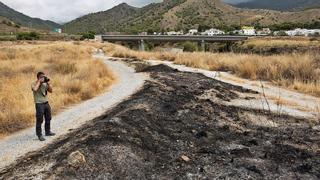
(40, 89)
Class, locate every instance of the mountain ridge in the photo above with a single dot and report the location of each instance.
(183, 14)
(24, 20)
(282, 5)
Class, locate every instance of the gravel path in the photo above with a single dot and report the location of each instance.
(19, 144)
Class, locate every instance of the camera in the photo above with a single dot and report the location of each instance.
(46, 79)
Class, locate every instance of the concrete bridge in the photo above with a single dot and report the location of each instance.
(164, 38)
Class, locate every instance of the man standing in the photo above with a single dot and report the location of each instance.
(40, 89)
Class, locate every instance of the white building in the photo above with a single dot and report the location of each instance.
(212, 32)
(248, 30)
(302, 32)
(57, 30)
(174, 33)
(264, 31)
(193, 32)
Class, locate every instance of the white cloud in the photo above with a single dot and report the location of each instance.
(66, 10)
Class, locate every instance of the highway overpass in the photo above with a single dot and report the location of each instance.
(164, 38)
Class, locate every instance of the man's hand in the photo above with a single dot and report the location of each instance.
(38, 84)
(41, 80)
(49, 87)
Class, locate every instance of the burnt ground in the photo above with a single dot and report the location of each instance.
(180, 114)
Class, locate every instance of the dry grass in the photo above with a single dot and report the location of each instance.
(123, 52)
(75, 75)
(299, 72)
(281, 42)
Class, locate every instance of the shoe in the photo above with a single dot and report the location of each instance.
(41, 138)
(50, 134)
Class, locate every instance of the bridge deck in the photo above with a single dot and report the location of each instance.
(113, 38)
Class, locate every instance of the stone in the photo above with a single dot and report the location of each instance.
(316, 128)
(76, 159)
(185, 158)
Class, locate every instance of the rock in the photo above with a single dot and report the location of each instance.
(185, 158)
(76, 159)
(317, 128)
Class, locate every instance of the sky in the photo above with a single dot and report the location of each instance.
(66, 10)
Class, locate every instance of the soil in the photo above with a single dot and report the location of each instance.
(178, 126)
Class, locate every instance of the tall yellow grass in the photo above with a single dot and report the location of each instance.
(299, 72)
(75, 75)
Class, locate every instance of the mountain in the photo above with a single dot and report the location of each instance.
(24, 20)
(283, 5)
(183, 14)
(123, 18)
(8, 27)
(102, 21)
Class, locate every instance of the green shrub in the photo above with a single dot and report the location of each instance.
(87, 35)
(190, 47)
(28, 36)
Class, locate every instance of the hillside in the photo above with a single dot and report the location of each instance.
(102, 21)
(214, 13)
(123, 18)
(8, 27)
(24, 20)
(288, 5)
(182, 14)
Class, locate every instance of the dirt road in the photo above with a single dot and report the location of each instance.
(180, 126)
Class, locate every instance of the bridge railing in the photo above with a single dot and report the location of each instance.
(168, 38)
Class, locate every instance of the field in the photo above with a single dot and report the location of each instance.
(296, 71)
(179, 126)
(75, 75)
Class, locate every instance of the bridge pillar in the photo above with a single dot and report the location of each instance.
(141, 45)
(203, 46)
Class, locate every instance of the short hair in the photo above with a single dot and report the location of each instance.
(39, 74)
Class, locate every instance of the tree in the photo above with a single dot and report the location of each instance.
(190, 46)
(28, 36)
(88, 35)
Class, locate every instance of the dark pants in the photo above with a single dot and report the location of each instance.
(43, 110)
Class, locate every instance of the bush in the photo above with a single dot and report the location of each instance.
(190, 47)
(87, 35)
(282, 33)
(28, 36)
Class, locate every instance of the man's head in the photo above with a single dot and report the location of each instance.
(40, 75)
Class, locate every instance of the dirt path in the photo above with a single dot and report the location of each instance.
(276, 99)
(25, 141)
(180, 126)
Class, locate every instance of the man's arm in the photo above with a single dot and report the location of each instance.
(49, 88)
(37, 85)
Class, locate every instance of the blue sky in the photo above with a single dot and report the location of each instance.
(66, 10)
